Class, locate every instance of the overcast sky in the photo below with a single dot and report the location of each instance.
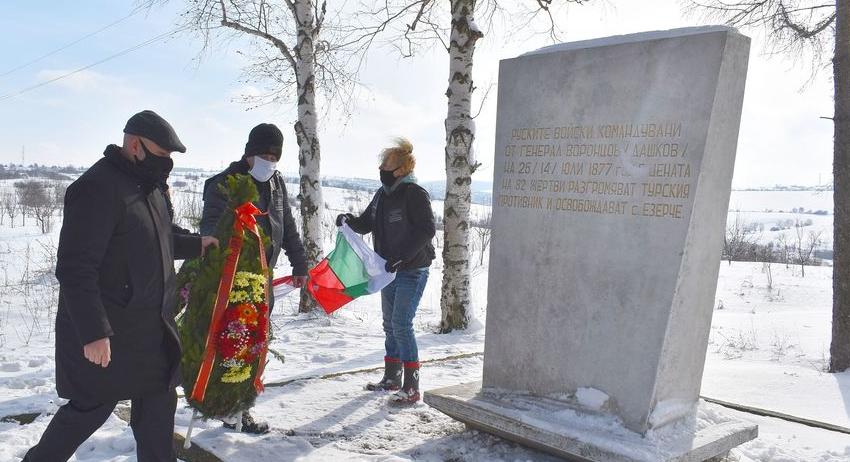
(783, 140)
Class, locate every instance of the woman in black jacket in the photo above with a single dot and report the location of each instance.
(402, 224)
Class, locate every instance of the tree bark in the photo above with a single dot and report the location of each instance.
(840, 348)
(460, 164)
(306, 132)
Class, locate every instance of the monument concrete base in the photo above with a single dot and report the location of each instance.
(577, 434)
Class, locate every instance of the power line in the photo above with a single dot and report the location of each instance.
(108, 58)
(65, 47)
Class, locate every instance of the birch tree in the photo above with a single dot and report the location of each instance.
(294, 56)
(411, 25)
(460, 165)
(813, 28)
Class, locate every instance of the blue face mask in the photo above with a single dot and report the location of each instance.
(262, 170)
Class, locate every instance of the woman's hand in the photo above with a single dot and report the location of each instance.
(342, 218)
(393, 264)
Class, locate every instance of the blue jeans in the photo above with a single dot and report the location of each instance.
(399, 301)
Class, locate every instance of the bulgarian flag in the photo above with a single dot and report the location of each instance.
(352, 269)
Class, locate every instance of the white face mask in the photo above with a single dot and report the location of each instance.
(262, 170)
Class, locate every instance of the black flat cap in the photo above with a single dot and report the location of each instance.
(264, 139)
(150, 125)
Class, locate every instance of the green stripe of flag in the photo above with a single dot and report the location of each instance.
(348, 268)
(358, 290)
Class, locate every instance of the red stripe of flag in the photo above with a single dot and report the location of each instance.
(326, 287)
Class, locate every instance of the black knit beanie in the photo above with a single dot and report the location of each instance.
(264, 139)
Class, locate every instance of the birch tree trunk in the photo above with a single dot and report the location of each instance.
(840, 347)
(306, 132)
(460, 164)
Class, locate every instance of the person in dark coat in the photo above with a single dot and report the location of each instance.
(262, 153)
(116, 338)
(402, 225)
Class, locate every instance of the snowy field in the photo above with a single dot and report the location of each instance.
(776, 209)
(768, 349)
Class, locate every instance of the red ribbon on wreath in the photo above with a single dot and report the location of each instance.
(245, 220)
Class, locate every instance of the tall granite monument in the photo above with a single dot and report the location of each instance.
(613, 170)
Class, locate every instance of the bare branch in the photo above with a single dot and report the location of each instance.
(412, 26)
(483, 100)
(800, 29)
(791, 26)
(264, 35)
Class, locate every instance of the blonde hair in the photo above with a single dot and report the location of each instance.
(402, 153)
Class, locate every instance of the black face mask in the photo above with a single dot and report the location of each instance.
(387, 178)
(154, 169)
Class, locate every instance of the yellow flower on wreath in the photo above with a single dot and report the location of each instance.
(237, 296)
(237, 374)
(248, 287)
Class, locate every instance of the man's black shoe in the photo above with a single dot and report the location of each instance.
(249, 425)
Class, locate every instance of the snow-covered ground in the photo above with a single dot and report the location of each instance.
(768, 349)
(781, 209)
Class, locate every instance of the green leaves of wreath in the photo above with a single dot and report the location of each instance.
(198, 282)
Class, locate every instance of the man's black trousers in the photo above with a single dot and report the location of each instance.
(151, 418)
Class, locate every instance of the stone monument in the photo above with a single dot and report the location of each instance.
(613, 170)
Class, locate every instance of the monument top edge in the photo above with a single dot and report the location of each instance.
(629, 38)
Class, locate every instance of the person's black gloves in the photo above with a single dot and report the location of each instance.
(343, 217)
(393, 264)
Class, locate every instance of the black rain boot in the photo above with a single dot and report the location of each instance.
(409, 393)
(392, 376)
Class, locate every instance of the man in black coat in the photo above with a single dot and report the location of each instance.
(116, 337)
(262, 152)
